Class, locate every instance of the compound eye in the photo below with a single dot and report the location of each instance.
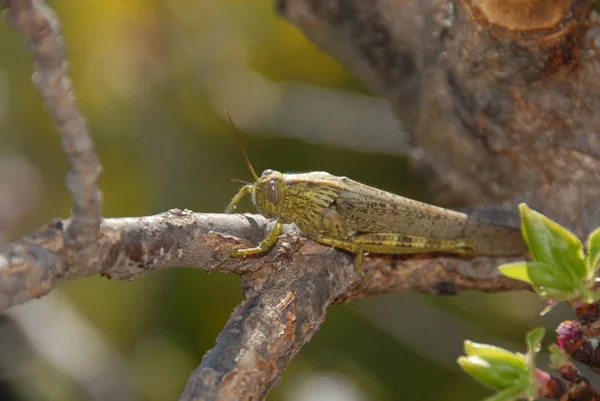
(273, 192)
(267, 172)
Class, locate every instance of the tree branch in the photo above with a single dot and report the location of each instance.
(482, 86)
(127, 248)
(43, 34)
(289, 289)
(287, 299)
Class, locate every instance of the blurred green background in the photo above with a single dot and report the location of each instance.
(153, 78)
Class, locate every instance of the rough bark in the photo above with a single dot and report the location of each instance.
(127, 248)
(43, 33)
(500, 97)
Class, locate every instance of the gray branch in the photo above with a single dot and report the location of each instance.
(127, 248)
(289, 289)
(43, 33)
(502, 102)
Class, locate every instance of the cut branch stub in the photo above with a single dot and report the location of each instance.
(524, 15)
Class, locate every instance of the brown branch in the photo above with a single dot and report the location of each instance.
(270, 327)
(289, 289)
(501, 96)
(43, 33)
(127, 248)
(288, 297)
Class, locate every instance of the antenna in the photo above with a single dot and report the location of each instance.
(240, 181)
(241, 145)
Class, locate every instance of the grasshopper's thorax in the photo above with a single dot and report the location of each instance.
(269, 194)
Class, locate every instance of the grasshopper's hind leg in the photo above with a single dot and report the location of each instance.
(391, 243)
(347, 245)
(385, 243)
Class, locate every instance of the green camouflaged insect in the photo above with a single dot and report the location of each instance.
(346, 214)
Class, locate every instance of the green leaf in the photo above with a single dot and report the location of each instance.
(510, 394)
(590, 296)
(593, 248)
(558, 357)
(498, 374)
(534, 340)
(552, 244)
(554, 296)
(512, 373)
(517, 271)
(534, 344)
(550, 277)
(493, 353)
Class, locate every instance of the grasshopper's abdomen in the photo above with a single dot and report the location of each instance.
(370, 210)
(325, 206)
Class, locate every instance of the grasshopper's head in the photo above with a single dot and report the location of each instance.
(269, 193)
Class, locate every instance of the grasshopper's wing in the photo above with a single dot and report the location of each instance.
(371, 210)
(308, 196)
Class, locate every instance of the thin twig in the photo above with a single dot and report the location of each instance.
(43, 34)
(288, 290)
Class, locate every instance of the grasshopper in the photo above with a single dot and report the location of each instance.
(345, 214)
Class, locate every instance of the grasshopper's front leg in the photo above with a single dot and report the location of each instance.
(263, 246)
(246, 190)
(266, 243)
